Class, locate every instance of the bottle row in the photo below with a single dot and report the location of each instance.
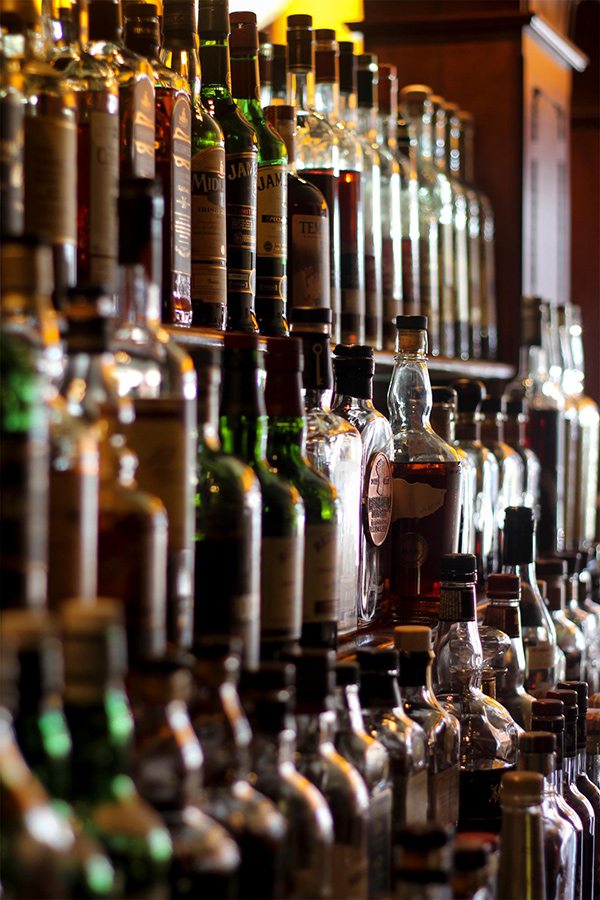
(324, 196)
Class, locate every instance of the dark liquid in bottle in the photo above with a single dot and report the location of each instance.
(352, 279)
(546, 436)
(326, 181)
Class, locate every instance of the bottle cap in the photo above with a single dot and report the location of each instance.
(537, 742)
(542, 708)
(422, 837)
(272, 713)
(461, 567)
(243, 32)
(518, 535)
(88, 311)
(179, 18)
(279, 66)
(469, 859)
(313, 315)
(491, 406)
(348, 67)
(412, 638)
(300, 43)
(94, 646)
(581, 689)
(354, 367)
(503, 587)
(26, 266)
(525, 786)
(388, 89)
(205, 357)
(217, 646)
(470, 394)
(160, 681)
(444, 395)
(315, 679)
(411, 323)
(213, 17)
(326, 56)
(271, 677)
(346, 673)
(413, 97)
(371, 659)
(569, 699)
(34, 636)
(533, 320)
(551, 568)
(367, 81)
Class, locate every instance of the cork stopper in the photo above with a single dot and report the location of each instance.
(412, 638)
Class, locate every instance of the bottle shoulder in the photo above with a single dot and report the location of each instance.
(305, 198)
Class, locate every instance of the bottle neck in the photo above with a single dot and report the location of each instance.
(301, 90)
(181, 52)
(286, 444)
(245, 80)
(443, 422)
(348, 110)
(208, 412)
(309, 732)
(138, 300)
(492, 428)
(533, 364)
(468, 427)
(216, 68)
(387, 131)
(514, 430)
(243, 420)
(327, 99)
(350, 708)
(367, 122)
(409, 395)
(423, 138)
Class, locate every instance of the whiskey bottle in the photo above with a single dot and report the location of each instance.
(12, 135)
(569, 636)
(271, 208)
(461, 207)
(317, 150)
(515, 428)
(350, 188)
(241, 162)
(426, 486)
(510, 466)
(354, 368)
(172, 147)
(243, 431)
(227, 527)
(334, 448)
(521, 872)
(286, 455)
(208, 229)
(308, 282)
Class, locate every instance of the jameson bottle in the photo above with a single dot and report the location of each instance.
(241, 162)
(173, 117)
(286, 454)
(271, 208)
(243, 431)
(208, 230)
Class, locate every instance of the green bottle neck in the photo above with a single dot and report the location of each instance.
(245, 80)
(286, 447)
(216, 68)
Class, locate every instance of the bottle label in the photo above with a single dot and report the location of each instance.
(346, 478)
(349, 871)
(137, 115)
(240, 194)
(443, 796)
(321, 586)
(310, 279)
(209, 253)
(377, 499)
(416, 500)
(51, 178)
(540, 667)
(281, 586)
(416, 798)
(11, 163)
(181, 131)
(104, 187)
(380, 837)
(271, 232)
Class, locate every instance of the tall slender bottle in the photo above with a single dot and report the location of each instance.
(464, 208)
(516, 416)
(317, 151)
(12, 115)
(511, 476)
(569, 635)
(271, 211)
(521, 871)
(208, 230)
(241, 163)
(406, 151)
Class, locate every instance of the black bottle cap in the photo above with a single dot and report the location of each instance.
(244, 32)
(491, 406)
(326, 56)
(547, 707)
(179, 19)
(315, 679)
(388, 89)
(461, 567)
(279, 66)
(503, 587)
(371, 659)
(549, 568)
(300, 43)
(537, 742)
(140, 205)
(205, 357)
(346, 673)
(104, 20)
(411, 323)
(568, 697)
(142, 29)
(284, 354)
(140, 10)
(313, 315)
(354, 367)
(34, 636)
(217, 647)
(273, 675)
(272, 714)
(213, 17)
(348, 67)
(470, 394)
(519, 529)
(444, 395)
(367, 80)
(516, 407)
(582, 691)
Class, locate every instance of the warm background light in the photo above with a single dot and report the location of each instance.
(272, 15)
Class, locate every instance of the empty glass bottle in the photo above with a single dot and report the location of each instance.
(515, 427)
(465, 219)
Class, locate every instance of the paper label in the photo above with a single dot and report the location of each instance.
(377, 499)
(443, 796)
(349, 871)
(103, 186)
(181, 133)
(416, 500)
(282, 561)
(309, 275)
(51, 178)
(142, 116)
(321, 583)
(271, 232)
(209, 239)
(241, 170)
(347, 482)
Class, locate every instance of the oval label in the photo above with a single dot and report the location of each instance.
(377, 499)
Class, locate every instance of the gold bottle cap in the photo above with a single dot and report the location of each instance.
(412, 638)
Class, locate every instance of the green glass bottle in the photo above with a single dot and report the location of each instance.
(241, 161)
(286, 453)
(243, 428)
(271, 221)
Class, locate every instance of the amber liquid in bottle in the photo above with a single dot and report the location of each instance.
(352, 314)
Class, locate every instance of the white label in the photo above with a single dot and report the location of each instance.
(347, 480)
(51, 178)
(309, 275)
(104, 185)
(321, 583)
(416, 500)
(209, 272)
(281, 585)
(271, 230)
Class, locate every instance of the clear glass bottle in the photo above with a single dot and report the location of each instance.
(334, 448)
(317, 150)
(208, 228)
(427, 485)
(350, 187)
(354, 368)
(442, 730)
(521, 872)
(583, 618)
(569, 636)
(511, 476)
(561, 372)
(462, 199)
(406, 153)
(515, 434)
(593, 747)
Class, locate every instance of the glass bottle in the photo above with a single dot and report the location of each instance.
(423, 863)
(265, 67)
(160, 379)
(308, 281)
(271, 212)
(521, 872)
(334, 448)
(286, 455)
(172, 147)
(569, 636)
(510, 467)
(593, 747)
(228, 526)
(208, 228)
(561, 372)
(515, 429)
(354, 368)
(462, 201)
(394, 280)
(350, 187)
(426, 484)
(545, 431)
(340, 783)
(370, 759)
(470, 395)
(405, 146)
(241, 162)
(12, 112)
(442, 730)
(225, 737)
(279, 67)
(243, 432)
(317, 150)
(101, 725)
(583, 618)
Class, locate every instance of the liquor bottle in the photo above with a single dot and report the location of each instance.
(227, 526)
(470, 394)
(350, 188)
(510, 467)
(167, 763)
(173, 123)
(50, 142)
(443, 421)
(406, 153)
(136, 89)
(542, 653)
(101, 725)
(503, 614)
(225, 737)
(279, 67)
(593, 747)
(12, 116)
(265, 67)
(405, 741)
(317, 150)
(442, 730)
(417, 108)
(545, 431)
(159, 377)
(583, 618)
(271, 211)
(367, 80)
(354, 368)
(521, 872)
(339, 782)
(515, 435)
(561, 373)
(286, 455)
(396, 267)
(241, 161)
(569, 636)
(465, 213)
(208, 229)
(64, 23)
(426, 483)
(308, 281)
(370, 759)
(243, 431)
(423, 863)
(334, 448)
